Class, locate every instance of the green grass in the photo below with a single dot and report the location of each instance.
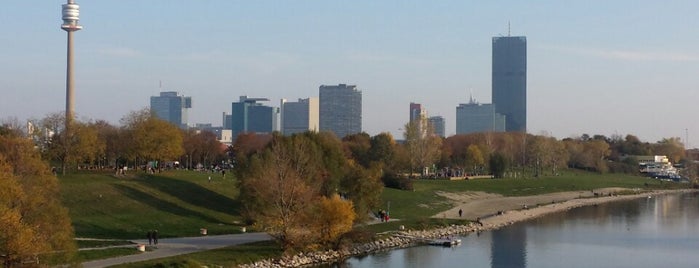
(423, 202)
(176, 203)
(179, 203)
(223, 257)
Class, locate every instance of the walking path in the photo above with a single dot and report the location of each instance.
(168, 247)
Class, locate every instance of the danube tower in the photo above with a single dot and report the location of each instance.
(71, 11)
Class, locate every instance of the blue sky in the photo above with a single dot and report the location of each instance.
(596, 67)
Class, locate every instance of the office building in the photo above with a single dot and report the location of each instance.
(438, 124)
(474, 117)
(249, 116)
(416, 111)
(172, 107)
(340, 109)
(509, 80)
(300, 116)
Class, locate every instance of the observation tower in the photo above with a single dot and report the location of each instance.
(71, 13)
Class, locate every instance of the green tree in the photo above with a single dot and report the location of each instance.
(498, 164)
(34, 223)
(364, 188)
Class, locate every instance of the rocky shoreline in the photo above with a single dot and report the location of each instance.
(409, 238)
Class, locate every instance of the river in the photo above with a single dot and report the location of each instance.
(661, 231)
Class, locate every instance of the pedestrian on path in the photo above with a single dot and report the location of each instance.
(461, 212)
(150, 237)
(155, 237)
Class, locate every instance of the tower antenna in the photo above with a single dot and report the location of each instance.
(508, 28)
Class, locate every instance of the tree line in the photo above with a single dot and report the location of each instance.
(307, 190)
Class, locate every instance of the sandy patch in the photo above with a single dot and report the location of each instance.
(482, 205)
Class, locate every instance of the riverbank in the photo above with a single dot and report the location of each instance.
(493, 211)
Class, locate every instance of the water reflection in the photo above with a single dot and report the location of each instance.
(508, 248)
(662, 231)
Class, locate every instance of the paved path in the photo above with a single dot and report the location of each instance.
(168, 247)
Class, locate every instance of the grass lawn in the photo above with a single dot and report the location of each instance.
(423, 202)
(179, 203)
(176, 203)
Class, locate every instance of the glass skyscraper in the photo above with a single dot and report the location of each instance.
(171, 107)
(340, 109)
(510, 80)
(250, 116)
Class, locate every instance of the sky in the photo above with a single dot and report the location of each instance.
(594, 67)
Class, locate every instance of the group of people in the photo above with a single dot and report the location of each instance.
(152, 237)
(383, 215)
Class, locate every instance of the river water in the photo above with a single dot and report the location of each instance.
(661, 231)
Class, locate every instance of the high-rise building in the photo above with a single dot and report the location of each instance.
(300, 116)
(509, 80)
(416, 111)
(438, 124)
(474, 117)
(172, 107)
(340, 109)
(250, 116)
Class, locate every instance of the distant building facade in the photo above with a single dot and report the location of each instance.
(340, 109)
(474, 117)
(248, 115)
(416, 111)
(172, 107)
(300, 116)
(509, 80)
(438, 124)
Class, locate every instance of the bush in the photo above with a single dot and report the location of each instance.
(392, 180)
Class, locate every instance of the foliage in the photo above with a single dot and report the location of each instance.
(77, 144)
(395, 181)
(152, 138)
(363, 187)
(33, 220)
(202, 147)
(332, 217)
(423, 146)
(498, 164)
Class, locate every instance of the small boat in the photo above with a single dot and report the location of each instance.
(447, 242)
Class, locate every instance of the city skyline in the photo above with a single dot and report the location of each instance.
(598, 67)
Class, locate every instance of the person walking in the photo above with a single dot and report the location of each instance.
(461, 212)
(155, 237)
(150, 237)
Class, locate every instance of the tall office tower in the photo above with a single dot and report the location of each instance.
(416, 111)
(299, 117)
(340, 109)
(510, 80)
(438, 124)
(227, 119)
(172, 107)
(250, 116)
(474, 117)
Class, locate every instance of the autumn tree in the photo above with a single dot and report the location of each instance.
(277, 195)
(202, 146)
(79, 145)
(152, 138)
(363, 187)
(474, 158)
(34, 223)
(423, 146)
(332, 217)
